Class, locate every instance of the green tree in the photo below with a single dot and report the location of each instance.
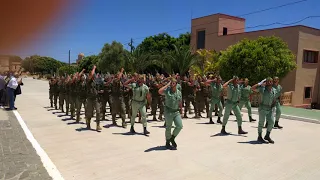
(28, 63)
(46, 65)
(66, 69)
(88, 62)
(180, 60)
(139, 61)
(257, 59)
(112, 57)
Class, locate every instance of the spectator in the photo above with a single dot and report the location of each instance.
(2, 89)
(11, 87)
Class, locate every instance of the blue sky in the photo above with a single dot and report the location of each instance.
(91, 24)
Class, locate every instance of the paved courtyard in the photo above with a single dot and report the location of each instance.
(202, 154)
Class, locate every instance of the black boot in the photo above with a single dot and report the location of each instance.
(251, 120)
(240, 131)
(210, 121)
(261, 140)
(145, 131)
(164, 124)
(215, 114)
(267, 138)
(51, 105)
(88, 122)
(132, 130)
(219, 120)
(277, 125)
(231, 113)
(174, 144)
(168, 146)
(223, 130)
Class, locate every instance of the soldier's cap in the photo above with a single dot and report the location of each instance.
(235, 77)
(173, 80)
(276, 78)
(211, 75)
(246, 79)
(269, 79)
(141, 76)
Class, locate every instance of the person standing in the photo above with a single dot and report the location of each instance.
(139, 101)
(233, 95)
(216, 90)
(11, 87)
(172, 112)
(246, 92)
(277, 107)
(268, 101)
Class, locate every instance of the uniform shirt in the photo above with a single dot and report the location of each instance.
(139, 92)
(216, 90)
(13, 84)
(172, 99)
(245, 92)
(267, 97)
(179, 87)
(233, 92)
(278, 89)
(91, 89)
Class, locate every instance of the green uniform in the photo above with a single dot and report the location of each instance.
(139, 102)
(172, 112)
(127, 95)
(157, 100)
(105, 99)
(72, 98)
(190, 99)
(265, 108)
(62, 94)
(51, 92)
(277, 107)
(117, 102)
(233, 95)
(55, 89)
(245, 99)
(93, 103)
(216, 90)
(81, 91)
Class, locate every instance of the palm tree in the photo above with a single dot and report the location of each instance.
(138, 61)
(181, 59)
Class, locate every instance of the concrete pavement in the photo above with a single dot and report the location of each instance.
(202, 154)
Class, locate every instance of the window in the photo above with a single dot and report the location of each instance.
(201, 39)
(307, 92)
(225, 31)
(310, 56)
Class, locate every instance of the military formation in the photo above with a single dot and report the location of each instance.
(132, 95)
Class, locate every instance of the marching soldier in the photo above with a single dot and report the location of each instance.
(62, 93)
(81, 91)
(156, 98)
(277, 107)
(246, 92)
(216, 90)
(51, 91)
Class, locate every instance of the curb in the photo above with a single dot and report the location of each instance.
(290, 117)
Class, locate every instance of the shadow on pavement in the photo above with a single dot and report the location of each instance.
(130, 134)
(111, 125)
(71, 123)
(251, 142)
(67, 119)
(84, 129)
(229, 134)
(207, 123)
(157, 148)
(159, 126)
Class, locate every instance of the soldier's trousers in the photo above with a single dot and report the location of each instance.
(277, 108)
(118, 107)
(55, 99)
(190, 100)
(265, 113)
(213, 103)
(79, 102)
(247, 104)
(170, 117)
(72, 102)
(198, 101)
(67, 98)
(104, 101)
(156, 103)
(51, 98)
(229, 105)
(136, 107)
(93, 104)
(205, 104)
(127, 103)
(61, 101)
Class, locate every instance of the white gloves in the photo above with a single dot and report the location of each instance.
(262, 82)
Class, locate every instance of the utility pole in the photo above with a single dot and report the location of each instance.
(131, 45)
(69, 58)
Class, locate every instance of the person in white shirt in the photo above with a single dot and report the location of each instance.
(11, 87)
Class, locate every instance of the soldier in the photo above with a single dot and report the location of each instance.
(157, 100)
(245, 98)
(55, 92)
(62, 93)
(67, 94)
(205, 93)
(106, 97)
(81, 90)
(199, 98)
(277, 107)
(216, 90)
(190, 99)
(117, 100)
(72, 95)
(172, 113)
(127, 95)
(139, 100)
(268, 101)
(51, 91)
(232, 103)
(92, 101)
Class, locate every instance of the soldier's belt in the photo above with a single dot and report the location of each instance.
(139, 101)
(231, 102)
(266, 105)
(172, 110)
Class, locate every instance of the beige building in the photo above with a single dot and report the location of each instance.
(218, 31)
(7, 63)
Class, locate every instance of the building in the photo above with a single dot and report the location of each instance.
(9, 63)
(218, 31)
(80, 57)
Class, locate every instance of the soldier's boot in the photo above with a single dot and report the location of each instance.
(124, 124)
(261, 140)
(267, 138)
(132, 130)
(77, 119)
(154, 118)
(276, 124)
(164, 125)
(210, 121)
(223, 130)
(145, 131)
(185, 114)
(168, 145)
(160, 117)
(51, 105)
(98, 127)
(251, 119)
(173, 142)
(219, 120)
(266, 125)
(241, 131)
(88, 122)
(55, 107)
(215, 114)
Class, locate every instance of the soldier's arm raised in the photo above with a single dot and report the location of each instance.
(92, 72)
